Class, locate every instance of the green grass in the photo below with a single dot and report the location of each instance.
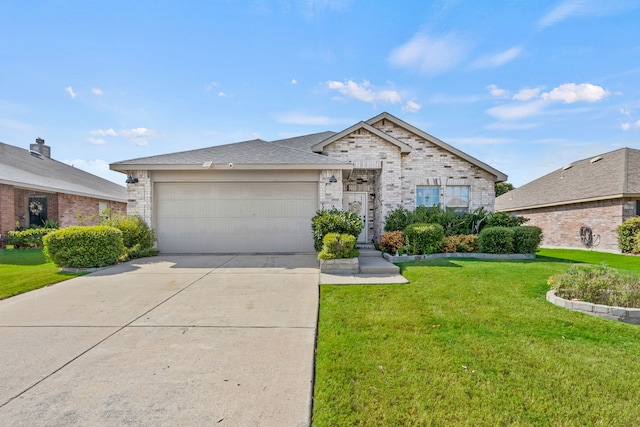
(25, 270)
(473, 343)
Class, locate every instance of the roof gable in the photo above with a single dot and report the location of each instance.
(500, 177)
(606, 176)
(319, 147)
(20, 168)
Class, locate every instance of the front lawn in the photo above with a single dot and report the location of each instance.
(473, 343)
(25, 270)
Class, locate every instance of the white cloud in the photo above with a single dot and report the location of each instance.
(138, 136)
(625, 112)
(96, 91)
(222, 94)
(517, 111)
(97, 141)
(498, 59)
(70, 91)
(430, 55)
(627, 126)
(526, 94)
(364, 92)
(411, 106)
(571, 92)
(507, 125)
(571, 8)
(103, 132)
(294, 82)
(497, 92)
(561, 12)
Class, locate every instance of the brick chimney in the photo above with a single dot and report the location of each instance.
(41, 147)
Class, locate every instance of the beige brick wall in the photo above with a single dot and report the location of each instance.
(392, 177)
(139, 196)
(561, 225)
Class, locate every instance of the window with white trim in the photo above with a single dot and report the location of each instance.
(427, 195)
(457, 198)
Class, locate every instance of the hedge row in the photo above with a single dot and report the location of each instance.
(419, 239)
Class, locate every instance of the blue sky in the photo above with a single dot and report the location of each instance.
(526, 86)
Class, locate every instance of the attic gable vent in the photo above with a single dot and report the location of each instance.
(596, 159)
(36, 154)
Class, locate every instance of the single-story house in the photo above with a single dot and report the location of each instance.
(257, 196)
(581, 204)
(35, 188)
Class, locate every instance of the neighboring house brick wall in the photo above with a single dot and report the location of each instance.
(79, 210)
(561, 224)
(7, 209)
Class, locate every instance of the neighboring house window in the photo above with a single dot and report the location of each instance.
(427, 195)
(37, 210)
(457, 198)
(103, 210)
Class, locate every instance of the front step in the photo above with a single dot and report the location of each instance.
(376, 265)
(369, 253)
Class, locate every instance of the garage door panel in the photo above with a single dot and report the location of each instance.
(235, 217)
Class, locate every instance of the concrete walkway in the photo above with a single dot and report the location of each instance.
(169, 340)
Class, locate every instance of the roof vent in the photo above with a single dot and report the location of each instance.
(207, 164)
(567, 167)
(36, 154)
(596, 159)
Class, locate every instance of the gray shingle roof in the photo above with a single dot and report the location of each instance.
(22, 169)
(256, 152)
(607, 176)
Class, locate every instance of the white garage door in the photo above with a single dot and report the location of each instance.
(225, 217)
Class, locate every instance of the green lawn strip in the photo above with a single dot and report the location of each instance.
(25, 270)
(471, 343)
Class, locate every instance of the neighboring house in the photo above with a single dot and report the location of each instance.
(35, 188)
(258, 196)
(581, 204)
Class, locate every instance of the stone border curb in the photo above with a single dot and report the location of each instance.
(621, 314)
(472, 255)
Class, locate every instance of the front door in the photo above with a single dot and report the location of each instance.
(357, 203)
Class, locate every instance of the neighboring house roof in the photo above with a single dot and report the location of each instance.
(256, 154)
(25, 169)
(500, 177)
(608, 176)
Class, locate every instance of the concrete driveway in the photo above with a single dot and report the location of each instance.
(170, 340)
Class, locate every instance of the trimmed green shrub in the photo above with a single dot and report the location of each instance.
(335, 246)
(504, 219)
(138, 238)
(454, 223)
(424, 238)
(526, 239)
(496, 240)
(464, 243)
(597, 284)
(84, 247)
(30, 238)
(629, 236)
(334, 221)
(391, 241)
